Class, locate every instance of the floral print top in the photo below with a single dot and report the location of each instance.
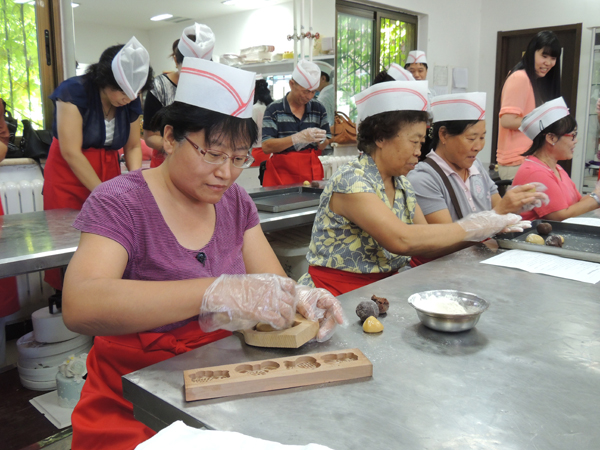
(338, 243)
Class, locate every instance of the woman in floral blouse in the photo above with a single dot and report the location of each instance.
(369, 222)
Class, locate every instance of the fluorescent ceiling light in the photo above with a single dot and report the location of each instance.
(74, 5)
(161, 17)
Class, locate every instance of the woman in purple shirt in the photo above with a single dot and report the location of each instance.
(172, 257)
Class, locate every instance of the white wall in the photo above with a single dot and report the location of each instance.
(92, 39)
(500, 16)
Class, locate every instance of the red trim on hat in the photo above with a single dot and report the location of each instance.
(311, 87)
(535, 119)
(209, 51)
(184, 38)
(415, 59)
(468, 102)
(386, 91)
(400, 72)
(211, 76)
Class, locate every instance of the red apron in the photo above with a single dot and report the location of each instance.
(339, 282)
(62, 189)
(103, 419)
(259, 156)
(9, 294)
(157, 159)
(293, 167)
(416, 261)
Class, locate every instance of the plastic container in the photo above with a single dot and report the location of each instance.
(291, 247)
(50, 327)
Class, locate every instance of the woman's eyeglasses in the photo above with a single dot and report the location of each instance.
(572, 135)
(217, 157)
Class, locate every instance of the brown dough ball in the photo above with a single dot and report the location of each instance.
(544, 228)
(366, 309)
(315, 184)
(554, 241)
(382, 304)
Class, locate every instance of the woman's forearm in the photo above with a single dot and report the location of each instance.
(586, 204)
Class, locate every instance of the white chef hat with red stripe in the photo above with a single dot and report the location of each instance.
(399, 73)
(130, 68)
(392, 96)
(416, 56)
(202, 46)
(217, 87)
(543, 116)
(307, 74)
(466, 106)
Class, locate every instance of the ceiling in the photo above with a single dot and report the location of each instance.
(137, 13)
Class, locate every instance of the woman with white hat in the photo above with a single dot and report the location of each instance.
(533, 81)
(197, 41)
(369, 223)
(172, 257)
(95, 115)
(554, 134)
(416, 64)
(451, 183)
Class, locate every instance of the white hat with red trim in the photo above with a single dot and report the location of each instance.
(202, 46)
(307, 74)
(392, 96)
(543, 116)
(130, 68)
(416, 56)
(217, 87)
(399, 73)
(467, 106)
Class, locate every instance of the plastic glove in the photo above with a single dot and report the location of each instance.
(238, 302)
(518, 227)
(308, 136)
(485, 224)
(519, 199)
(319, 305)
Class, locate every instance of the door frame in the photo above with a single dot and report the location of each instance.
(501, 63)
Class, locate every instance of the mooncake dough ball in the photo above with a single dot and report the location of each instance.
(535, 239)
(544, 228)
(366, 309)
(382, 304)
(372, 325)
(554, 241)
(306, 183)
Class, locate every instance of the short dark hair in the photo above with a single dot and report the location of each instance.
(326, 75)
(453, 128)
(407, 65)
(101, 73)
(382, 77)
(218, 128)
(385, 125)
(548, 87)
(262, 92)
(559, 128)
(176, 53)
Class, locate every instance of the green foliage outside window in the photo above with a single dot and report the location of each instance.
(20, 84)
(397, 39)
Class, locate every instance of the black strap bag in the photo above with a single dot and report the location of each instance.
(35, 144)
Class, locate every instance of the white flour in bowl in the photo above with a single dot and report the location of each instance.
(441, 306)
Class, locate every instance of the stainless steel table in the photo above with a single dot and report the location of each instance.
(37, 241)
(528, 376)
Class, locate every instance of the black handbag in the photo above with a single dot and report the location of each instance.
(11, 123)
(35, 144)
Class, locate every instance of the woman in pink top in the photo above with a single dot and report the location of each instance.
(556, 142)
(533, 81)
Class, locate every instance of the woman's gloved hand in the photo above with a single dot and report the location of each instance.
(238, 302)
(485, 224)
(522, 198)
(319, 305)
(308, 136)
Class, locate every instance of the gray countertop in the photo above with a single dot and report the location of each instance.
(526, 377)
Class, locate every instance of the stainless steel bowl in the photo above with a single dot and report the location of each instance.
(473, 304)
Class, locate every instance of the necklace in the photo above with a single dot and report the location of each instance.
(107, 113)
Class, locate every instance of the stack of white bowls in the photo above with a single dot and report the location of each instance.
(332, 163)
(45, 348)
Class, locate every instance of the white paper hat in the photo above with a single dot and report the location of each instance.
(217, 87)
(392, 96)
(307, 74)
(202, 47)
(543, 116)
(416, 56)
(326, 67)
(130, 68)
(467, 106)
(399, 73)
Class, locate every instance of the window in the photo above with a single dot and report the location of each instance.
(369, 39)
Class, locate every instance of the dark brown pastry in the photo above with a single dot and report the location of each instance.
(382, 304)
(544, 228)
(367, 309)
(554, 241)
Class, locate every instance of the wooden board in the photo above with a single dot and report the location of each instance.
(277, 373)
(297, 335)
